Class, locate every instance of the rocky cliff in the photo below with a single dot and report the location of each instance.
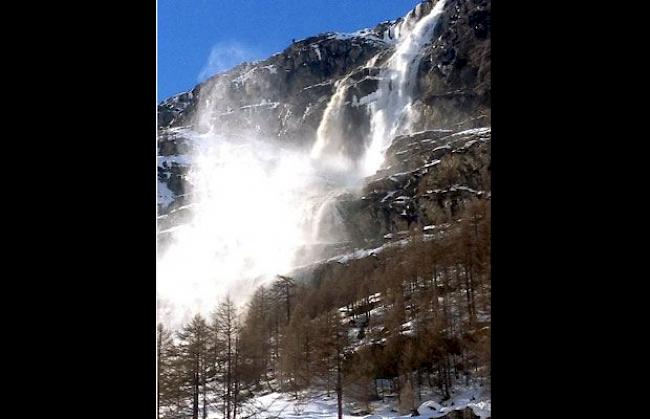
(428, 174)
(356, 166)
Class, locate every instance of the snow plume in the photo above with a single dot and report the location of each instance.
(333, 145)
(390, 110)
(259, 206)
(392, 113)
(224, 56)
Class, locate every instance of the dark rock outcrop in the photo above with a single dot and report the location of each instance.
(430, 177)
(454, 80)
(427, 176)
(285, 93)
(466, 413)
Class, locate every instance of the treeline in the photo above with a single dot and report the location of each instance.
(405, 320)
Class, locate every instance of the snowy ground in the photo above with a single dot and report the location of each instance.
(279, 405)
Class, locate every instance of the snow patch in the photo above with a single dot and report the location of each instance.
(317, 49)
(431, 164)
(271, 68)
(165, 195)
(474, 131)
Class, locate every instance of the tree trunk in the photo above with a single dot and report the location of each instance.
(307, 360)
(447, 376)
(205, 404)
(339, 386)
(228, 376)
(158, 375)
(288, 303)
(195, 389)
(468, 294)
(236, 376)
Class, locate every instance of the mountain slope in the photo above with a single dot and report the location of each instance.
(286, 95)
(367, 157)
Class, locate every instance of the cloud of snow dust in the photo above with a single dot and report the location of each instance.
(224, 56)
(259, 208)
(255, 206)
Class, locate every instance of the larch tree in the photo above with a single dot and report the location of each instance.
(225, 325)
(193, 344)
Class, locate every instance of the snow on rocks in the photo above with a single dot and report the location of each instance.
(363, 253)
(473, 131)
(318, 53)
(165, 195)
(312, 405)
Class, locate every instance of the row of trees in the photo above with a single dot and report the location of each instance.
(199, 367)
(399, 322)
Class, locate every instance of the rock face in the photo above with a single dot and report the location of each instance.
(285, 94)
(427, 176)
(454, 80)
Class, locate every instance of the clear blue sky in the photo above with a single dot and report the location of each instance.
(197, 38)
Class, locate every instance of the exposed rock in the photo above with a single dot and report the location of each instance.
(430, 177)
(295, 81)
(427, 176)
(454, 80)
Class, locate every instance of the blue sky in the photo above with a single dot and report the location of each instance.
(197, 38)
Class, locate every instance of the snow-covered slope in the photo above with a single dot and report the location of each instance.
(286, 95)
(342, 152)
(320, 406)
